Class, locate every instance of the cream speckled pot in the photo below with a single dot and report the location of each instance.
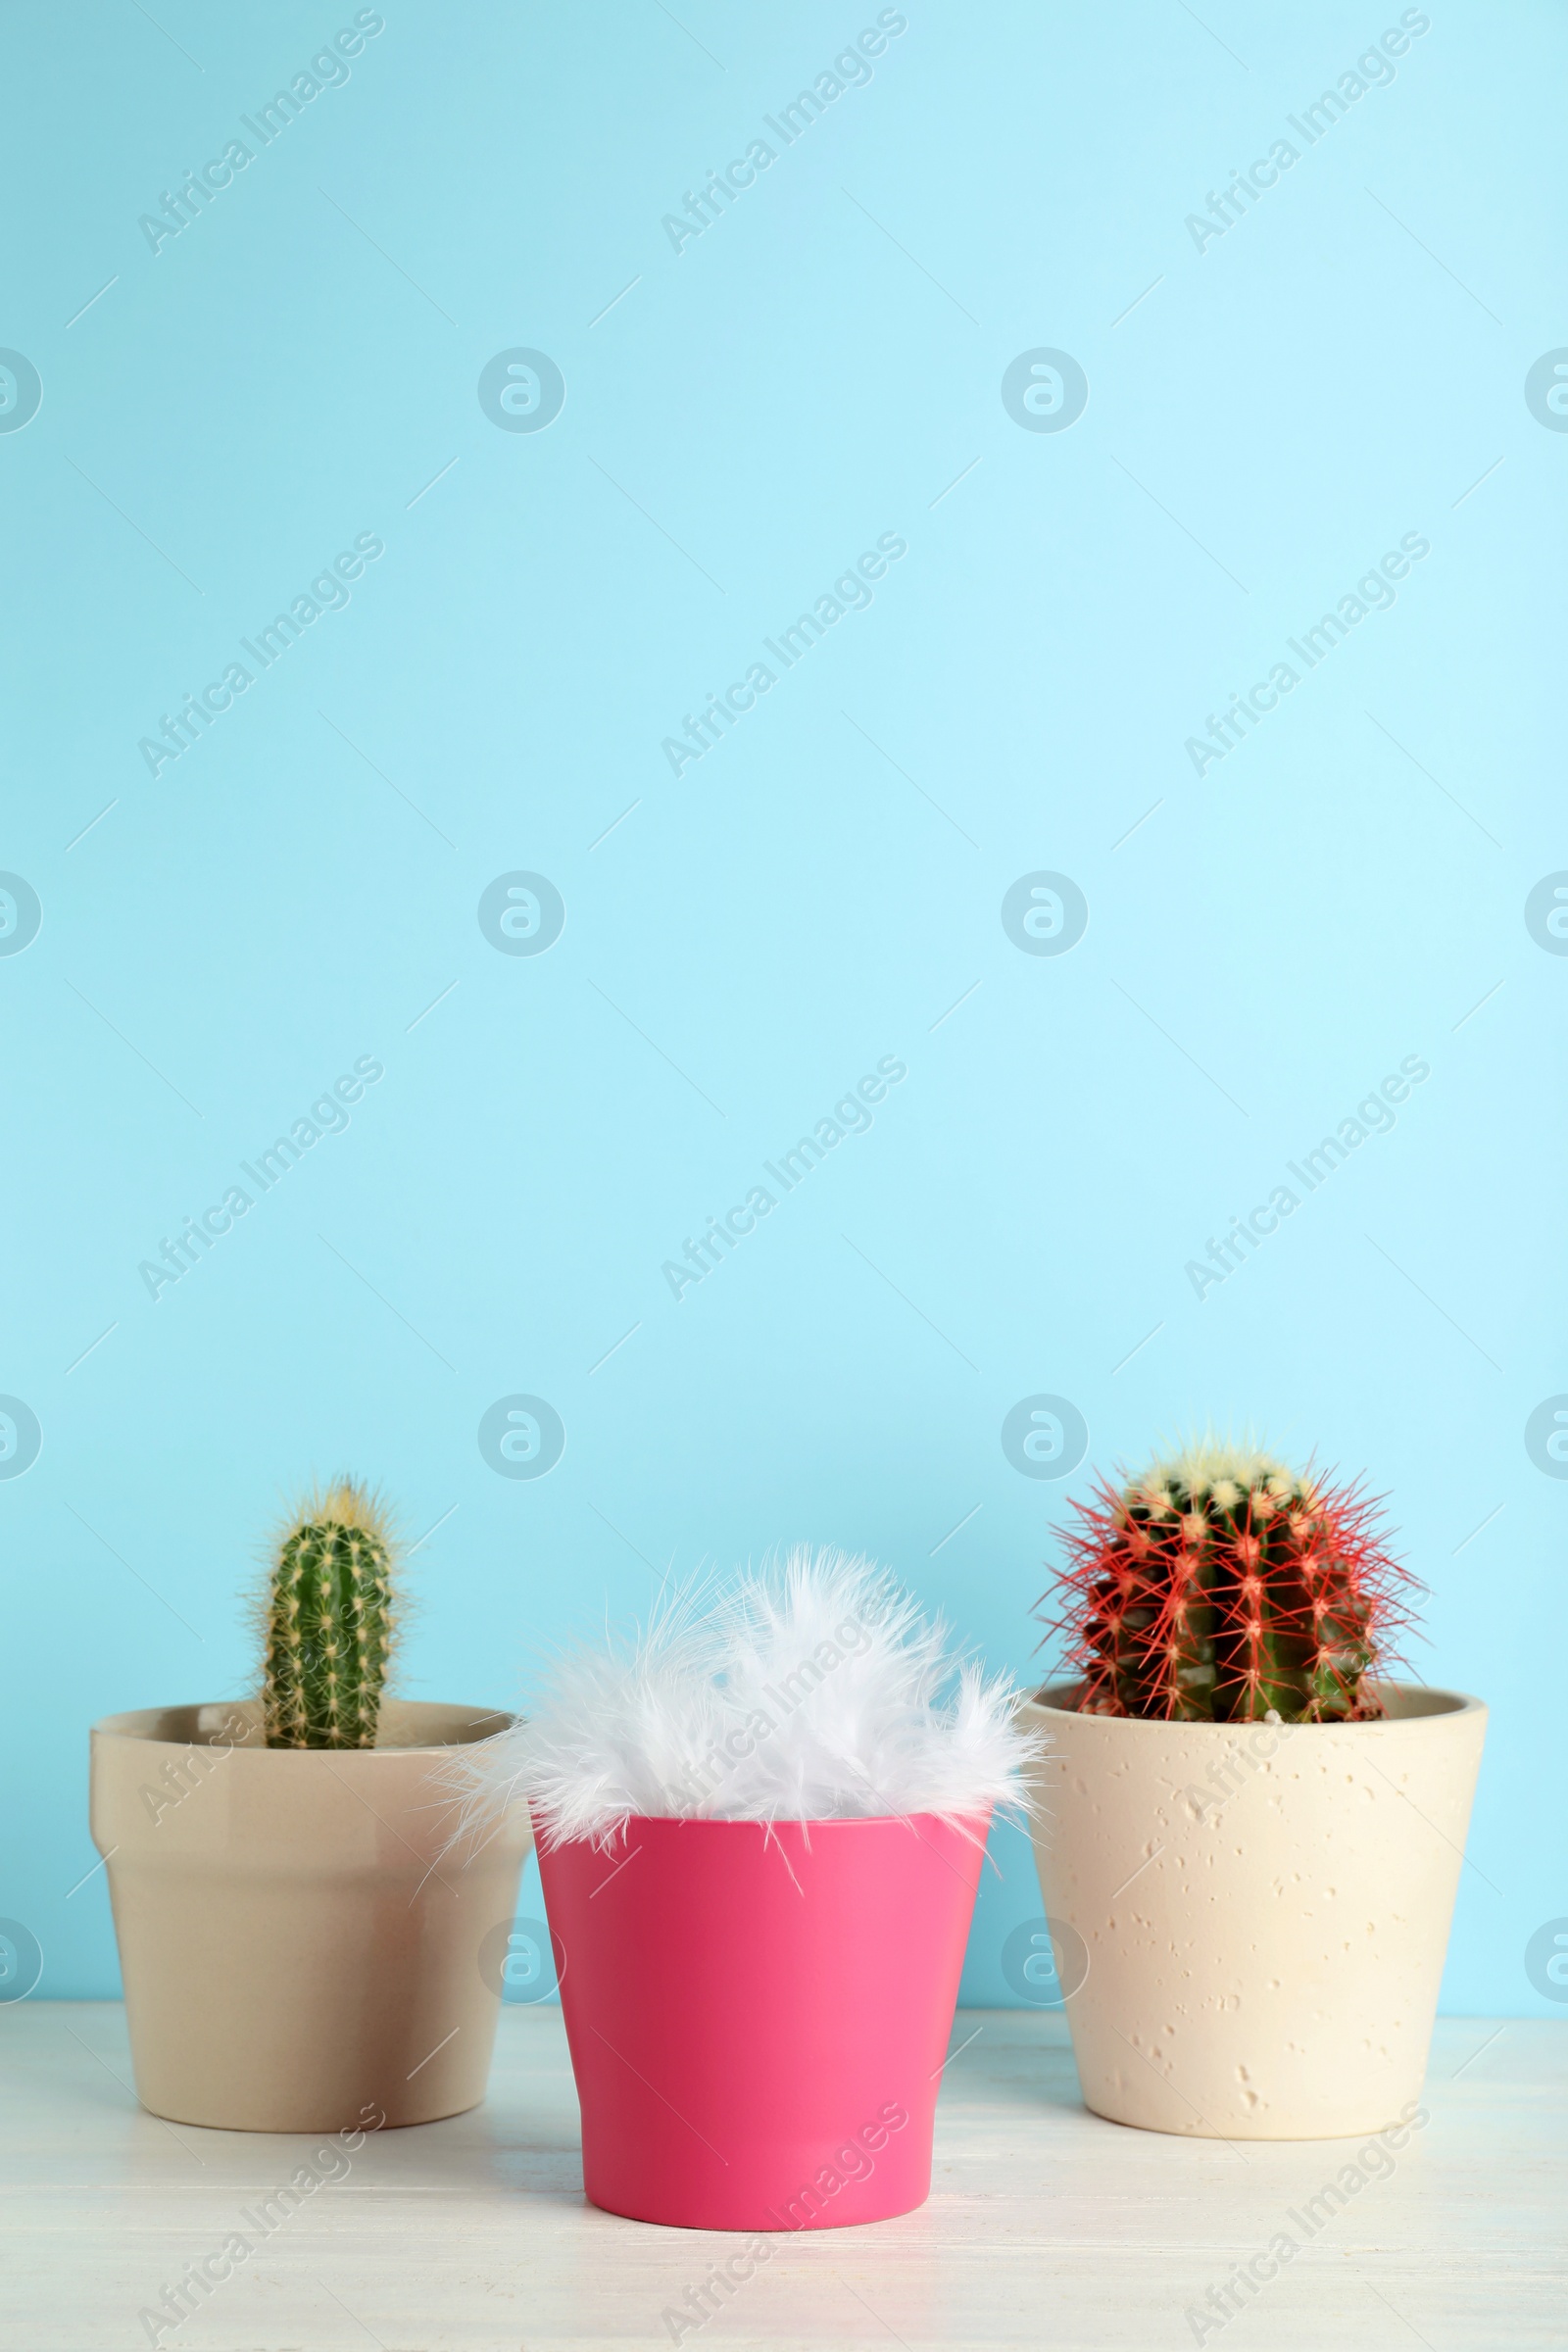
(1266, 1909)
(299, 1951)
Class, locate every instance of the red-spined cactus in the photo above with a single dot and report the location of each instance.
(1222, 1586)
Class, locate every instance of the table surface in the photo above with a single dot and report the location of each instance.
(1046, 2226)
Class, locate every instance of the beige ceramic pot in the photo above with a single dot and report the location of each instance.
(299, 1951)
(1258, 1913)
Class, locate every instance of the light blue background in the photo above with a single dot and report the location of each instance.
(1265, 418)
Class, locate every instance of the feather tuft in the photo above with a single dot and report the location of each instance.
(811, 1691)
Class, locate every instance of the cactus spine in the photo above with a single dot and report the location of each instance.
(328, 1617)
(1222, 1586)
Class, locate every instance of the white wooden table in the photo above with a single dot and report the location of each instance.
(1046, 2228)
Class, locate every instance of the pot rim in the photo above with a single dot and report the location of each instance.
(136, 1724)
(791, 1821)
(1456, 1703)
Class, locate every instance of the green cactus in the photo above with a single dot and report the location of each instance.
(328, 1623)
(1223, 1588)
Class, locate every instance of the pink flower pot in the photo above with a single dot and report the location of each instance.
(758, 2016)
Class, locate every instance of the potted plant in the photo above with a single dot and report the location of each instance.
(760, 1828)
(299, 1947)
(1255, 1837)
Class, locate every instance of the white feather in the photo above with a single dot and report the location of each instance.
(814, 1691)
